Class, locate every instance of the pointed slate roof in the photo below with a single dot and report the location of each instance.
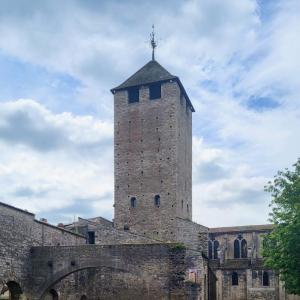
(150, 73)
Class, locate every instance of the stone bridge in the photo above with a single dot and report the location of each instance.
(163, 263)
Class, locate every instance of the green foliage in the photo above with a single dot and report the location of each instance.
(281, 248)
(178, 246)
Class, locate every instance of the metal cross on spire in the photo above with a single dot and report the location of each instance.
(153, 42)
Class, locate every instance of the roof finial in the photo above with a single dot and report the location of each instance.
(153, 42)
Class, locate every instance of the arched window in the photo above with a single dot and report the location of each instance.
(12, 290)
(244, 248)
(235, 278)
(157, 200)
(266, 281)
(216, 247)
(237, 249)
(133, 202)
(210, 249)
(240, 247)
(213, 246)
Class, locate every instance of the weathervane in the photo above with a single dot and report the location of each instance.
(153, 42)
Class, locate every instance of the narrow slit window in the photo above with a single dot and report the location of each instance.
(157, 200)
(155, 91)
(133, 202)
(133, 94)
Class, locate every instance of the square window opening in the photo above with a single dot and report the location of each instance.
(133, 94)
(155, 91)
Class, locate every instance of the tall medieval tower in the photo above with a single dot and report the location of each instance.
(152, 153)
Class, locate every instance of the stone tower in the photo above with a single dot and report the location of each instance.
(153, 153)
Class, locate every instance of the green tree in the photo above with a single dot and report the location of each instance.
(281, 248)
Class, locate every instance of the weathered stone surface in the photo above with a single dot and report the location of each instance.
(153, 156)
(133, 257)
(161, 267)
(249, 269)
(19, 231)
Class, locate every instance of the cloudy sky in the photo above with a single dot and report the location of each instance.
(239, 61)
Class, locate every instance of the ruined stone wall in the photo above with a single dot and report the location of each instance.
(148, 153)
(19, 231)
(106, 234)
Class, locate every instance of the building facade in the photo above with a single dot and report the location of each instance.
(153, 153)
(152, 249)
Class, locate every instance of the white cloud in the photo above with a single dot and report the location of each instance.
(226, 53)
(43, 179)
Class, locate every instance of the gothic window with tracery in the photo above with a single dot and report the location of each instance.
(240, 247)
(243, 249)
(213, 247)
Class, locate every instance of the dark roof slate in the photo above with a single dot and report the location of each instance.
(251, 228)
(150, 73)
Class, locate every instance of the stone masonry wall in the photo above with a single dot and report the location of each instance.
(250, 270)
(134, 272)
(149, 149)
(184, 159)
(106, 234)
(193, 235)
(19, 231)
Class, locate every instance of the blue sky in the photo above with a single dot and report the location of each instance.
(239, 62)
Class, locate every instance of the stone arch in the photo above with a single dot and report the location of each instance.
(83, 297)
(51, 295)
(12, 290)
(48, 286)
